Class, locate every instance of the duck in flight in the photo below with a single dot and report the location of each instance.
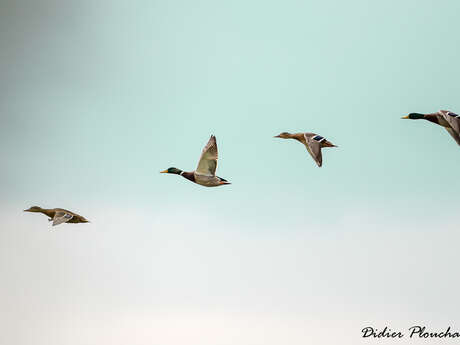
(445, 118)
(58, 215)
(205, 173)
(313, 142)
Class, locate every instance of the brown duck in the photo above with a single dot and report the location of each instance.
(313, 142)
(59, 215)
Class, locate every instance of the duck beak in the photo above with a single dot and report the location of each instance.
(405, 117)
(276, 136)
(224, 182)
(164, 171)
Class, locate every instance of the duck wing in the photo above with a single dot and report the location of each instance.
(61, 217)
(454, 135)
(454, 121)
(313, 144)
(208, 160)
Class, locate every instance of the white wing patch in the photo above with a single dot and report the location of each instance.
(319, 138)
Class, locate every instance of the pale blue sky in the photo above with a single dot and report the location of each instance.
(97, 97)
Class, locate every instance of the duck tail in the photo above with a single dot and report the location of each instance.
(328, 144)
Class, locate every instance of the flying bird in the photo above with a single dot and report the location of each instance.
(445, 118)
(313, 142)
(205, 173)
(58, 215)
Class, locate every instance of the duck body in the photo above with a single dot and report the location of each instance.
(202, 180)
(437, 118)
(209, 181)
(444, 118)
(312, 141)
(59, 215)
(204, 175)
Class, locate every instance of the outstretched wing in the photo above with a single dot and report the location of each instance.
(208, 160)
(454, 122)
(61, 217)
(313, 144)
(454, 135)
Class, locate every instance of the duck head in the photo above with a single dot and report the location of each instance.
(284, 135)
(171, 171)
(414, 116)
(33, 209)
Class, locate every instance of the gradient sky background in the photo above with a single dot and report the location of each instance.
(96, 97)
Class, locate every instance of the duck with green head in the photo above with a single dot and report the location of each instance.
(445, 118)
(313, 142)
(205, 173)
(58, 215)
